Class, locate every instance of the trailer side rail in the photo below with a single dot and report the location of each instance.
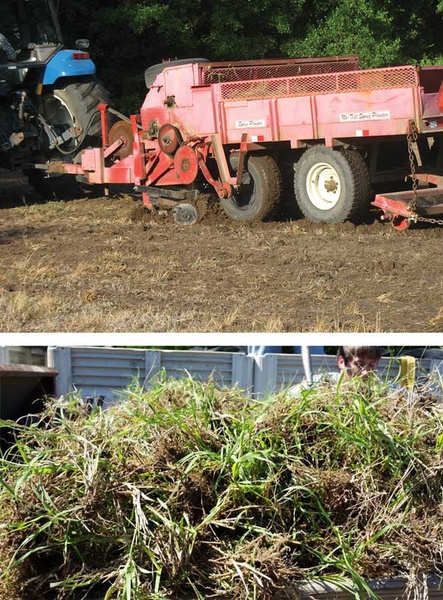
(322, 83)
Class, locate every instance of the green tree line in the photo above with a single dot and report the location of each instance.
(127, 36)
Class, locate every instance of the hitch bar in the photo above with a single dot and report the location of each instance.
(395, 205)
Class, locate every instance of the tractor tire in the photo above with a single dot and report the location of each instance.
(152, 72)
(332, 186)
(260, 190)
(76, 104)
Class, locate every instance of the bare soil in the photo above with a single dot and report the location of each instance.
(96, 265)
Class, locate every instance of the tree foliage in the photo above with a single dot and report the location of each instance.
(128, 36)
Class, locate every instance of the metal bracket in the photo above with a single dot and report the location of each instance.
(155, 192)
(241, 158)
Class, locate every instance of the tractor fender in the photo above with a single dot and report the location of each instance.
(63, 64)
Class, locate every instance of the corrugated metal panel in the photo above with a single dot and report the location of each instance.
(105, 371)
(387, 589)
(290, 368)
(389, 368)
(201, 365)
(109, 371)
(276, 372)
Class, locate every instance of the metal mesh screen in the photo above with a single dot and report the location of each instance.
(351, 81)
(246, 73)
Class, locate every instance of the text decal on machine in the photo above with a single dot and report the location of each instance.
(375, 115)
(250, 123)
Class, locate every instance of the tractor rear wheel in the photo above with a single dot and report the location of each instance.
(74, 105)
(259, 192)
(332, 186)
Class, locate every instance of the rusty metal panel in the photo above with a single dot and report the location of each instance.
(268, 69)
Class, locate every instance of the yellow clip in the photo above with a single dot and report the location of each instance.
(407, 372)
(39, 89)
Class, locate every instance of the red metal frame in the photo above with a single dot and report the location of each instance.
(396, 205)
(103, 108)
(394, 211)
(244, 115)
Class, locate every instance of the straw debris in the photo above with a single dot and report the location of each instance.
(187, 490)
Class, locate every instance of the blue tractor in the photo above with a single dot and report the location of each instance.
(48, 95)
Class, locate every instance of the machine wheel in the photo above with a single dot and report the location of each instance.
(185, 213)
(76, 104)
(332, 186)
(73, 105)
(259, 192)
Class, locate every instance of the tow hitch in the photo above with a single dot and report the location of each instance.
(398, 208)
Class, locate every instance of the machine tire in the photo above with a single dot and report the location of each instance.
(346, 170)
(152, 72)
(74, 104)
(260, 190)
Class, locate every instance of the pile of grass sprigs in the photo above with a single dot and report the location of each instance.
(190, 489)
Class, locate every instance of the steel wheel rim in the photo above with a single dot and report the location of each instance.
(323, 186)
(64, 118)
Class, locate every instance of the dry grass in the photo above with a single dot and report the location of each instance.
(90, 310)
(87, 266)
(436, 323)
(350, 324)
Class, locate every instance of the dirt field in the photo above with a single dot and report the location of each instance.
(87, 265)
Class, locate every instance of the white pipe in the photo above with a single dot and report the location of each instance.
(307, 365)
